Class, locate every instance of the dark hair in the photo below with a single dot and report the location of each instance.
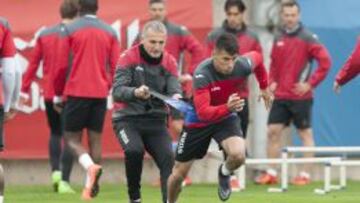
(88, 6)
(290, 3)
(156, 1)
(228, 43)
(69, 9)
(238, 3)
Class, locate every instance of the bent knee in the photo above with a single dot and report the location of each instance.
(180, 171)
(274, 134)
(238, 157)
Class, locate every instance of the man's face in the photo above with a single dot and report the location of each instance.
(290, 16)
(224, 62)
(234, 17)
(154, 43)
(157, 11)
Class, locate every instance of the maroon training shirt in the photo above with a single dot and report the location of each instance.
(212, 89)
(46, 49)
(247, 40)
(291, 59)
(94, 49)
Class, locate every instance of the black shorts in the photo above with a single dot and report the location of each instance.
(194, 142)
(296, 111)
(2, 114)
(244, 118)
(54, 119)
(80, 113)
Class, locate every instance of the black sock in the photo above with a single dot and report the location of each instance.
(55, 151)
(67, 160)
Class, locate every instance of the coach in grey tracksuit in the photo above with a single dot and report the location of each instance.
(139, 120)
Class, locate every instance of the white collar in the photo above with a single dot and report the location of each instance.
(90, 16)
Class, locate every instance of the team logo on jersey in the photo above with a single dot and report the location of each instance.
(216, 88)
(184, 28)
(139, 68)
(199, 76)
(280, 43)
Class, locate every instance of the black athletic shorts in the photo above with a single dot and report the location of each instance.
(296, 111)
(194, 142)
(244, 118)
(80, 113)
(54, 119)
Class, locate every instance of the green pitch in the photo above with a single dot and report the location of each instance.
(192, 194)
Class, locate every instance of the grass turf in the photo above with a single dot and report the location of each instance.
(192, 194)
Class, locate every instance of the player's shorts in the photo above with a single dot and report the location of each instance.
(244, 118)
(194, 142)
(297, 111)
(81, 113)
(54, 119)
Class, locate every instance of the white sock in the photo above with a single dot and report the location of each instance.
(87, 181)
(272, 172)
(224, 170)
(1, 199)
(85, 161)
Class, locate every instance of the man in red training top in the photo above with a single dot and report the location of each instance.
(248, 41)
(94, 49)
(292, 80)
(179, 41)
(217, 85)
(139, 120)
(46, 49)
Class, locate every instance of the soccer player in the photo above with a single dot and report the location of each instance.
(292, 80)
(46, 49)
(8, 92)
(179, 41)
(139, 120)
(94, 49)
(248, 41)
(217, 84)
(350, 69)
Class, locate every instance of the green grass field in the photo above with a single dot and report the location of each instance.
(192, 194)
